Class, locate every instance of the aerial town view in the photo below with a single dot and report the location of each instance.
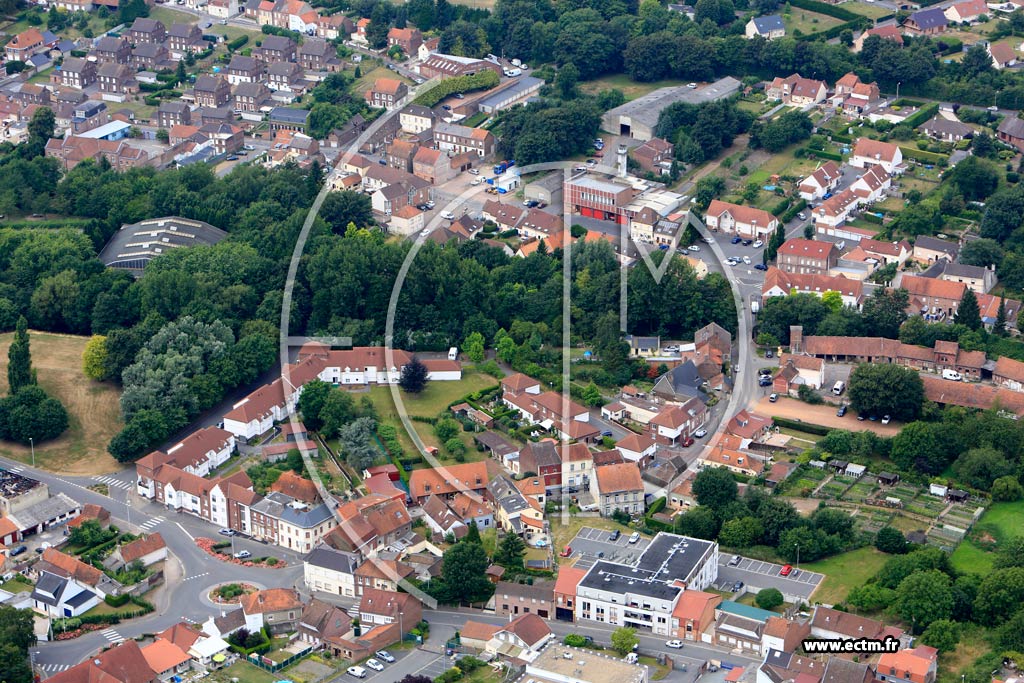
(511, 341)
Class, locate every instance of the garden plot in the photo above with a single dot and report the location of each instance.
(871, 521)
(861, 491)
(927, 506)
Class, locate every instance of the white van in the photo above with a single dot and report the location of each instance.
(952, 374)
(839, 388)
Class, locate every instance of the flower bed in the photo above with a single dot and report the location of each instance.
(216, 598)
(207, 544)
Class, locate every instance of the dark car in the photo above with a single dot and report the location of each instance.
(747, 243)
(841, 412)
(765, 381)
(615, 536)
(232, 158)
(769, 354)
(737, 240)
(737, 586)
(607, 432)
(760, 266)
(19, 550)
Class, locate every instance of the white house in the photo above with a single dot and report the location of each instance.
(331, 571)
(745, 221)
(872, 186)
(637, 447)
(868, 152)
(768, 27)
(823, 180)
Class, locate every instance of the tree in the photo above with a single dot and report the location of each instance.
(891, 540)
(338, 409)
(979, 467)
(311, 403)
(714, 487)
(922, 445)
(975, 178)
(700, 522)
(19, 360)
(769, 598)
(414, 376)
(982, 252)
(741, 532)
(566, 79)
(1007, 489)
(886, 390)
(1010, 636)
(924, 597)
(446, 429)
(463, 573)
(871, 597)
(510, 552)
(806, 544)
(884, 312)
(413, 678)
(624, 640)
(356, 440)
(473, 534)
(968, 313)
(999, 326)
(30, 416)
(94, 358)
(944, 634)
(474, 347)
(832, 299)
(14, 665)
(999, 596)
(899, 567)
(342, 208)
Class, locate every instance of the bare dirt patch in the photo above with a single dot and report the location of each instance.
(95, 416)
(824, 415)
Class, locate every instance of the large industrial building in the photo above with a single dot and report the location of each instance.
(638, 118)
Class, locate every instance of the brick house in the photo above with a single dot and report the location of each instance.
(244, 69)
(150, 56)
(116, 79)
(172, 114)
(184, 38)
(77, 73)
(514, 599)
(652, 154)
(409, 39)
(111, 49)
(249, 97)
(386, 93)
(145, 30)
(276, 49)
(798, 255)
(212, 91)
(452, 137)
(24, 45)
(286, 76)
(318, 55)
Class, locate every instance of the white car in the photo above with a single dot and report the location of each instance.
(693, 247)
(691, 85)
(385, 655)
(374, 664)
(448, 215)
(242, 555)
(634, 537)
(746, 260)
(357, 671)
(474, 171)
(886, 419)
(758, 244)
(476, 181)
(700, 433)
(674, 644)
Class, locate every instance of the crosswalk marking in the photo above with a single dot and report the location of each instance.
(17, 469)
(197, 576)
(111, 481)
(113, 636)
(54, 667)
(150, 523)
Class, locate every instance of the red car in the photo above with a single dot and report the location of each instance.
(786, 569)
(567, 552)
(688, 441)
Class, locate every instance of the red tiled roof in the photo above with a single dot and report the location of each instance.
(141, 547)
(82, 572)
(124, 663)
(270, 600)
(448, 479)
(866, 147)
(747, 215)
(798, 246)
(297, 487)
(162, 655)
(617, 478)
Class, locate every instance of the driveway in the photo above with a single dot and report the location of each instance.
(824, 415)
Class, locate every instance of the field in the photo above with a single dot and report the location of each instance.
(970, 559)
(845, 572)
(865, 9)
(1002, 521)
(171, 16)
(434, 399)
(630, 88)
(808, 22)
(1005, 518)
(92, 407)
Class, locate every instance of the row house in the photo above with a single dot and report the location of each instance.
(116, 79)
(31, 93)
(387, 93)
(145, 30)
(448, 481)
(1009, 373)
(75, 72)
(457, 139)
(943, 356)
(618, 487)
(835, 211)
(796, 90)
(250, 96)
(505, 216)
(796, 371)
(432, 165)
(798, 255)
(370, 524)
(111, 49)
(745, 221)
(212, 91)
(75, 149)
(171, 114)
(399, 154)
(276, 49)
(886, 252)
(334, 27)
(822, 181)
(150, 57)
(226, 138)
(184, 38)
(542, 458)
(780, 283)
(286, 77)
(243, 69)
(318, 55)
(411, 191)
(289, 523)
(979, 279)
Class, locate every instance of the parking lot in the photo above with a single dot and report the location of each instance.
(590, 542)
(758, 575)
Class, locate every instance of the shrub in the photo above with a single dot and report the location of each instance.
(574, 640)
(117, 600)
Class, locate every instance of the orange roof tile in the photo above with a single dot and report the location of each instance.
(163, 655)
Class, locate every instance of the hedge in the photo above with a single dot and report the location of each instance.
(923, 114)
(792, 211)
(801, 426)
(237, 43)
(479, 81)
(781, 207)
(924, 156)
(828, 34)
(822, 154)
(871, 218)
(116, 600)
(826, 9)
(657, 506)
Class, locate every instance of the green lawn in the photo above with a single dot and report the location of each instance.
(630, 88)
(808, 22)
(171, 16)
(243, 672)
(865, 9)
(970, 559)
(1005, 517)
(845, 572)
(16, 585)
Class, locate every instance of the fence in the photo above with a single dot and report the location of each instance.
(268, 664)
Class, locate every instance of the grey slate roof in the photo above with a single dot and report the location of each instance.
(932, 17)
(278, 505)
(289, 115)
(335, 560)
(767, 24)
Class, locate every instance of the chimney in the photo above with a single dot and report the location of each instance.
(796, 338)
(621, 165)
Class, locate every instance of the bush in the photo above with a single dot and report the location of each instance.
(117, 600)
(479, 81)
(237, 43)
(769, 598)
(793, 210)
(821, 154)
(924, 157)
(574, 640)
(801, 426)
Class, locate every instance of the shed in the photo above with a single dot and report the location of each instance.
(958, 496)
(838, 465)
(938, 490)
(888, 478)
(855, 470)
(817, 464)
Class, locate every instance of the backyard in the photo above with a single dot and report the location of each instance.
(93, 410)
(807, 22)
(845, 572)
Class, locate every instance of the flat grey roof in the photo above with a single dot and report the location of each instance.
(646, 109)
(668, 557)
(521, 86)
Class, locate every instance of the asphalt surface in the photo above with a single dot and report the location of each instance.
(758, 575)
(589, 542)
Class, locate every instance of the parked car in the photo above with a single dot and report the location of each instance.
(786, 569)
(474, 171)
(765, 372)
(758, 244)
(242, 555)
(374, 664)
(737, 587)
(691, 86)
(693, 247)
(886, 419)
(737, 239)
(764, 381)
(385, 655)
(357, 671)
(634, 537)
(607, 432)
(674, 644)
(735, 560)
(773, 398)
(747, 243)
(600, 554)
(746, 260)
(459, 96)
(760, 266)
(448, 215)
(688, 441)
(615, 536)
(19, 551)
(841, 412)
(566, 552)
(769, 354)
(802, 216)
(226, 532)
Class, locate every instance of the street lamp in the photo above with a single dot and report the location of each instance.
(797, 555)
(32, 445)
(898, 84)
